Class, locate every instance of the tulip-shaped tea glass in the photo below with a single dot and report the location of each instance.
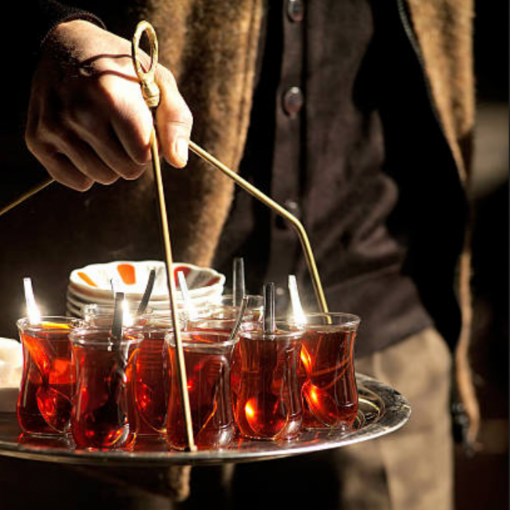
(269, 402)
(151, 377)
(208, 356)
(221, 316)
(103, 416)
(47, 384)
(327, 370)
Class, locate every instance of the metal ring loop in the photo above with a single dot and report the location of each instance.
(150, 89)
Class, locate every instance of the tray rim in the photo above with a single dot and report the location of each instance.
(394, 415)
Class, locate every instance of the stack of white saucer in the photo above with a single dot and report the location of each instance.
(92, 284)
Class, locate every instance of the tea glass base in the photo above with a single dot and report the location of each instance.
(213, 441)
(48, 435)
(151, 443)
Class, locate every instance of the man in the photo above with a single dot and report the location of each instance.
(356, 117)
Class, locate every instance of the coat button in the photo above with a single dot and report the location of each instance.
(293, 101)
(280, 291)
(293, 207)
(296, 10)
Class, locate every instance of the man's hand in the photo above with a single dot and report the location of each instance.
(87, 119)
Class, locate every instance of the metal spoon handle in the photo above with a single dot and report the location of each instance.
(147, 293)
(269, 323)
(238, 282)
(239, 318)
(118, 316)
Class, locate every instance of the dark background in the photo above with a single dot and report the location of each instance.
(482, 480)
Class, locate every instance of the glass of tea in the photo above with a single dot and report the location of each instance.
(269, 401)
(103, 416)
(222, 317)
(327, 370)
(208, 356)
(151, 377)
(48, 380)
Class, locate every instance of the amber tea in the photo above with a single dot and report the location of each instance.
(103, 416)
(208, 357)
(151, 381)
(327, 370)
(47, 386)
(269, 402)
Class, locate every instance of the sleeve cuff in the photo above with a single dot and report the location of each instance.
(48, 15)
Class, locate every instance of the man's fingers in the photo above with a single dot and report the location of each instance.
(132, 123)
(108, 147)
(85, 159)
(57, 164)
(63, 171)
(66, 150)
(174, 121)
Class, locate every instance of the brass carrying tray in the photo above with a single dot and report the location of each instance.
(382, 410)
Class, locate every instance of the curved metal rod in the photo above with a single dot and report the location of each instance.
(151, 94)
(269, 202)
(26, 195)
